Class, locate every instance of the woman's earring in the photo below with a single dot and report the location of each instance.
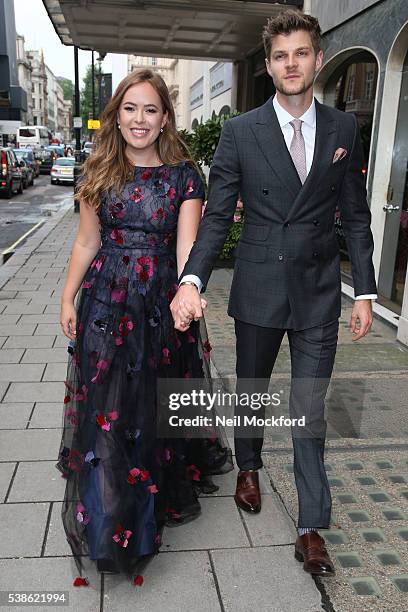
(118, 126)
(161, 130)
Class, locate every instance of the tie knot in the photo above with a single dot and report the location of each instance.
(296, 124)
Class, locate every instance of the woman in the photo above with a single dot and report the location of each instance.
(140, 206)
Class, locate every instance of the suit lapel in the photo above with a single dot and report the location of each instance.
(270, 139)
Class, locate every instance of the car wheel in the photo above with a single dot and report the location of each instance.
(20, 188)
(9, 192)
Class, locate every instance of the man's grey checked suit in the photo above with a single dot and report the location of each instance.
(287, 268)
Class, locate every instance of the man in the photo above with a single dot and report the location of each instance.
(293, 160)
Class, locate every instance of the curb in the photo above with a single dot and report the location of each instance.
(24, 252)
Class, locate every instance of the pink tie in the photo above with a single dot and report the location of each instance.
(298, 150)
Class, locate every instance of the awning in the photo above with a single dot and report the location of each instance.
(192, 29)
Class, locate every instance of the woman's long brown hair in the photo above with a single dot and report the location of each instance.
(108, 166)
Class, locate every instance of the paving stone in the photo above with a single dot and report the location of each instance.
(51, 575)
(35, 391)
(17, 307)
(8, 319)
(17, 372)
(401, 582)
(11, 355)
(264, 569)
(192, 586)
(48, 329)
(6, 472)
(61, 341)
(366, 480)
(398, 478)
(18, 537)
(388, 556)
(53, 309)
(358, 516)
(37, 481)
(3, 389)
(50, 356)
(39, 318)
(347, 498)
(55, 371)
(394, 514)
(379, 496)
(56, 544)
(47, 415)
(17, 330)
(349, 559)
(218, 526)
(2, 341)
(29, 444)
(384, 465)
(372, 535)
(335, 536)
(15, 416)
(36, 342)
(365, 585)
(272, 526)
(35, 295)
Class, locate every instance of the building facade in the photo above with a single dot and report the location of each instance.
(39, 87)
(24, 78)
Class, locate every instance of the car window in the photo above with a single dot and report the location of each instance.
(64, 161)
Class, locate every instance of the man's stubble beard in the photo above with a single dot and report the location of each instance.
(303, 88)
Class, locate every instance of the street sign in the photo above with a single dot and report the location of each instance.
(77, 122)
(94, 124)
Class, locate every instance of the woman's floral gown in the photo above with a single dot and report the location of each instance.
(123, 482)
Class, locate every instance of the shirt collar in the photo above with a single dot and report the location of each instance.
(308, 117)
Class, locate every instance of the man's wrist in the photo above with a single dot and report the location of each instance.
(188, 283)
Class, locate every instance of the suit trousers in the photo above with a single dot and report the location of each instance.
(312, 353)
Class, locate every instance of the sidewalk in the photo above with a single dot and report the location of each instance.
(226, 560)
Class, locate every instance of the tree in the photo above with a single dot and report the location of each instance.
(67, 87)
(86, 97)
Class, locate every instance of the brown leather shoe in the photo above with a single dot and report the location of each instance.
(310, 549)
(247, 495)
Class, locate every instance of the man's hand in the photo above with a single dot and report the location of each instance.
(361, 319)
(186, 306)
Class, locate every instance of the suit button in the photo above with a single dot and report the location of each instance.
(315, 222)
(265, 191)
(315, 254)
(333, 188)
(286, 224)
(280, 257)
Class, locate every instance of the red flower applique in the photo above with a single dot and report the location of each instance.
(166, 358)
(144, 268)
(105, 423)
(82, 516)
(86, 285)
(126, 259)
(81, 394)
(153, 489)
(101, 366)
(193, 473)
(72, 417)
(190, 338)
(76, 460)
(117, 236)
(79, 581)
(117, 210)
(137, 196)
(125, 326)
(122, 536)
(173, 514)
(138, 580)
(146, 175)
(158, 214)
(171, 193)
(119, 289)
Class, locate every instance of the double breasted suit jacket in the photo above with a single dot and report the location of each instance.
(287, 262)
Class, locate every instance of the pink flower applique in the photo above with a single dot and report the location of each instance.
(133, 476)
(158, 540)
(122, 536)
(72, 417)
(101, 366)
(76, 460)
(119, 289)
(97, 263)
(117, 236)
(153, 489)
(190, 338)
(178, 342)
(166, 358)
(82, 516)
(137, 196)
(172, 514)
(104, 421)
(81, 394)
(190, 187)
(86, 285)
(146, 175)
(193, 473)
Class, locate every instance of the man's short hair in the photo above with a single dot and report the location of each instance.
(291, 21)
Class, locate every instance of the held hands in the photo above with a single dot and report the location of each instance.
(186, 306)
(361, 319)
(68, 320)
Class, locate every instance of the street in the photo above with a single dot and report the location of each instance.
(22, 212)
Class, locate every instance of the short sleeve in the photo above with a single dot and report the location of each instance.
(192, 185)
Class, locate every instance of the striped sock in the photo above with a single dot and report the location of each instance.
(303, 530)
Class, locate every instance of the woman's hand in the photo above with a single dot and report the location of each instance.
(68, 320)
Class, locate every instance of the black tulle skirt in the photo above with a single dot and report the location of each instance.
(124, 483)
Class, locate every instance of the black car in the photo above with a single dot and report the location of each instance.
(11, 176)
(47, 159)
(29, 156)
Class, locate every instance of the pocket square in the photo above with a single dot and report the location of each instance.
(339, 154)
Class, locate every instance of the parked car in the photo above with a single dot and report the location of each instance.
(58, 148)
(87, 148)
(11, 177)
(63, 170)
(27, 172)
(29, 156)
(47, 159)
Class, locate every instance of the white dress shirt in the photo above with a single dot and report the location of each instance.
(309, 136)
